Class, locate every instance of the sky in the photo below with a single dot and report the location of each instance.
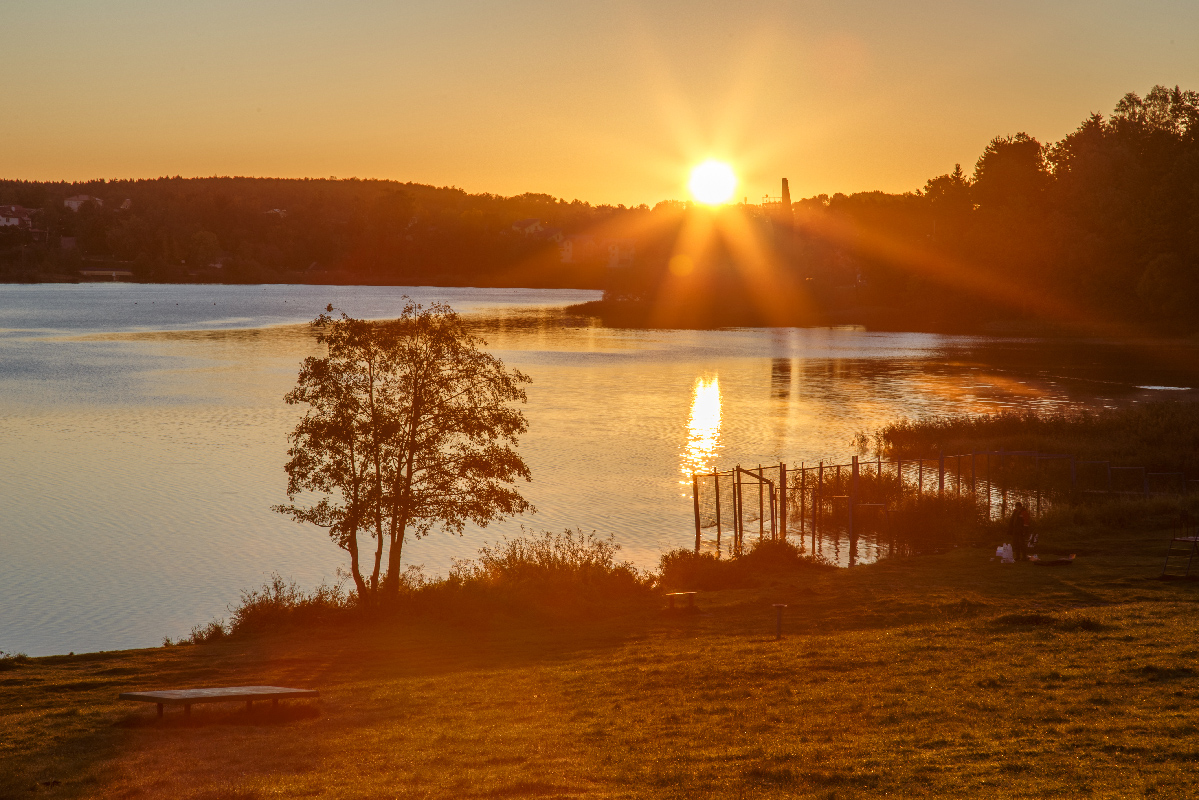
(608, 102)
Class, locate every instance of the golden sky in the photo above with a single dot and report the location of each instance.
(601, 101)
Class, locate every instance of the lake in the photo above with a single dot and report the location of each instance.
(143, 432)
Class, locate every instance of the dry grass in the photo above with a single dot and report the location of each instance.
(938, 676)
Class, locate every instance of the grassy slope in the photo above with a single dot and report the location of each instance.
(908, 678)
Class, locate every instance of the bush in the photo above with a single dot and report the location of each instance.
(9, 661)
(686, 570)
(568, 573)
(281, 603)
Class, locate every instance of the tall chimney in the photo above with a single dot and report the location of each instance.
(786, 196)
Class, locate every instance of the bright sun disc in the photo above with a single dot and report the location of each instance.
(712, 182)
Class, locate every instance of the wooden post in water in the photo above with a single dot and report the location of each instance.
(959, 479)
(853, 495)
(920, 480)
(803, 499)
(817, 499)
(783, 498)
(737, 509)
(973, 476)
(940, 473)
(899, 475)
(761, 506)
(716, 493)
(695, 503)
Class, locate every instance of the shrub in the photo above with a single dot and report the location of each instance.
(567, 573)
(686, 570)
(281, 603)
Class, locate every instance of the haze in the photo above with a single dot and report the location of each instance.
(606, 102)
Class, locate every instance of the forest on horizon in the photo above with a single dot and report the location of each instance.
(1101, 225)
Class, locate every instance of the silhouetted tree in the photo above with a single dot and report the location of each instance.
(410, 426)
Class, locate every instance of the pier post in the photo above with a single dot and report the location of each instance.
(716, 492)
(803, 498)
(783, 498)
(695, 503)
(761, 504)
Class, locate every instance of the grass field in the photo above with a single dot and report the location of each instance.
(934, 676)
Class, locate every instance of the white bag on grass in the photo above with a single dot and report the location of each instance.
(1004, 554)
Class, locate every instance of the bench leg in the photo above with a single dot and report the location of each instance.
(160, 710)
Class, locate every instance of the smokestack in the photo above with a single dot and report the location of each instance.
(786, 196)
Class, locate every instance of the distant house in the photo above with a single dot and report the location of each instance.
(528, 227)
(15, 217)
(573, 249)
(552, 235)
(78, 201)
(620, 253)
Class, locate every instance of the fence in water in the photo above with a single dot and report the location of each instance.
(883, 503)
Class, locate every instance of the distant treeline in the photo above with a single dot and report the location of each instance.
(256, 230)
(1098, 231)
(1100, 228)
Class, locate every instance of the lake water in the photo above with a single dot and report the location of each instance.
(142, 432)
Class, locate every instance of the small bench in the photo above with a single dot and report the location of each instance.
(689, 595)
(226, 694)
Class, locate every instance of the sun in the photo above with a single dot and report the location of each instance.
(712, 182)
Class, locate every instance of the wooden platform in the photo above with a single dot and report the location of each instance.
(220, 694)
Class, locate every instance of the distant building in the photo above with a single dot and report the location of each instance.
(621, 253)
(15, 217)
(528, 227)
(552, 235)
(78, 201)
(577, 248)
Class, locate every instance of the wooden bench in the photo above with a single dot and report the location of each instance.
(689, 595)
(225, 694)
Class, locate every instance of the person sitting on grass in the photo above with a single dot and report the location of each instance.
(1018, 529)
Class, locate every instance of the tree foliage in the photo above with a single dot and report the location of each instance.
(410, 426)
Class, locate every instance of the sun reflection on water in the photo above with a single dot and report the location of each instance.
(703, 429)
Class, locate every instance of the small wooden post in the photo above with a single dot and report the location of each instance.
(920, 479)
(739, 535)
(695, 503)
(899, 475)
(940, 473)
(959, 478)
(761, 504)
(716, 494)
(853, 494)
(778, 622)
(783, 498)
(973, 476)
(817, 501)
(803, 497)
